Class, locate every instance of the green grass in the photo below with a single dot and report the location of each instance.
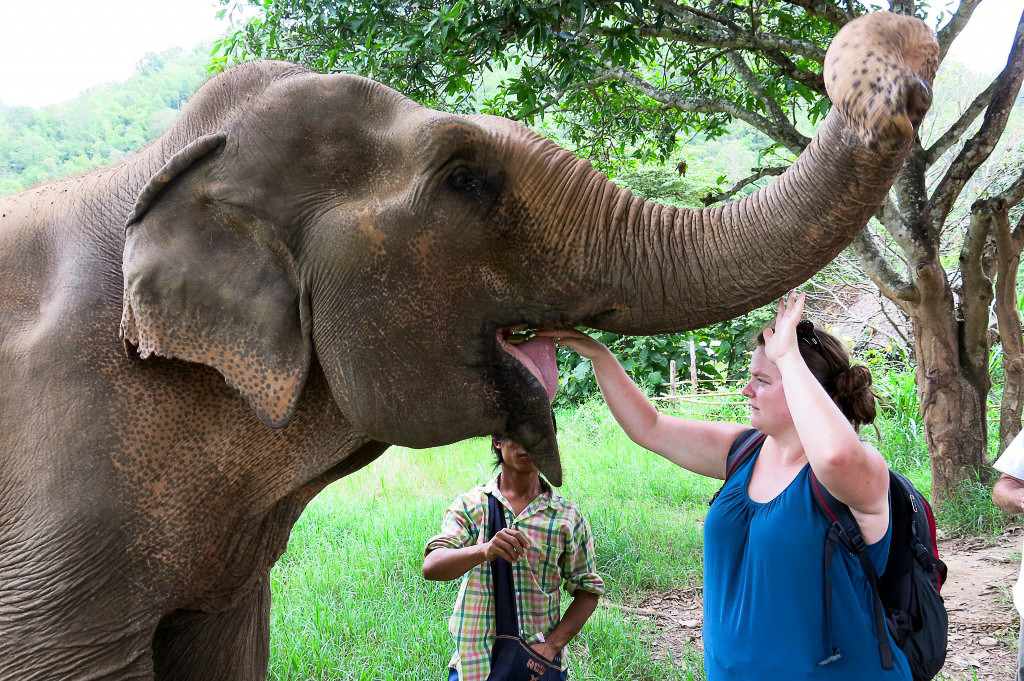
(349, 601)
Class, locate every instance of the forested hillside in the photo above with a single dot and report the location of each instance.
(100, 126)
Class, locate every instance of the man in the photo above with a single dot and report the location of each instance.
(547, 540)
(1008, 494)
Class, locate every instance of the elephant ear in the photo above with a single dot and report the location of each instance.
(212, 283)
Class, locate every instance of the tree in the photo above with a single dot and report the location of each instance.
(615, 77)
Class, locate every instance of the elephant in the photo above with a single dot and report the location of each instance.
(305, 269)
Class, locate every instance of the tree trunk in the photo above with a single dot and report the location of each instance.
(1008, 249)
(951, 410)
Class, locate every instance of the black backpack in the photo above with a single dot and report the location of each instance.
(907, 599)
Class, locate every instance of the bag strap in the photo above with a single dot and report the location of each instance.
(926, 548)
(739, 452)
(501, 575)
(843, 529)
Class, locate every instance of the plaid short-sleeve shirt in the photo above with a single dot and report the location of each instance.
(561, 550)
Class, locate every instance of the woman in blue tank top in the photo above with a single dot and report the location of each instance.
(764, 540)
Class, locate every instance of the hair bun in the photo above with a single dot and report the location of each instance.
(853, 380)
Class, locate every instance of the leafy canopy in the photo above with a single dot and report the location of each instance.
(611, 76)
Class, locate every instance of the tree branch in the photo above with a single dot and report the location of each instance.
(976, 287)
(948, 33)
(1013, 194)
(956, 131)
(758, 174)
(907, 343)
(873, 263)
(980, 146)
(1008, 318)
(726, 28)
(758, 42)
(827, 11)
(902, 7)
(891, 218)
(774, 110)
(706, 105)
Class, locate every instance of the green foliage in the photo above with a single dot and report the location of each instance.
(970, 511)
(722, 352)
(564, 62)
(902, 431)
(100, 127)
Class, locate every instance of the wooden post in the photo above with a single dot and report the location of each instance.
(672, 378)
(693, 365)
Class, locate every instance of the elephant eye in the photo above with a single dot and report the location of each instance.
(462, 179)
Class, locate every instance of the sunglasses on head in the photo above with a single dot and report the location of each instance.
(805, 332)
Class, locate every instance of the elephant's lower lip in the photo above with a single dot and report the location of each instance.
(536, 355)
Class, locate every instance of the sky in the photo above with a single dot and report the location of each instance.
(51, 50)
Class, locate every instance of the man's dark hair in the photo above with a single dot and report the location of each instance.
(496, 450)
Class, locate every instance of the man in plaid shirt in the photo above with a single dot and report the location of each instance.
(546, 539)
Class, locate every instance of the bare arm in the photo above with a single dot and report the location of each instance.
(699, 446)
(576, 615)
(444, 564)
(853, 471)
(1008, 494)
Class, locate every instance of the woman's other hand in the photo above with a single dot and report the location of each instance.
(782, 342)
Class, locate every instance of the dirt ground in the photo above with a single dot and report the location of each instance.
(983, 626)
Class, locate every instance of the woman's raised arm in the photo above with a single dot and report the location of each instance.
(699, 446)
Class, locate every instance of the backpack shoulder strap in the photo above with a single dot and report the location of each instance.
(741, 450)
(837, 513)
(843, 529)
(505, 614)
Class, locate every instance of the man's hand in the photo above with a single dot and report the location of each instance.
(546, 650)
(508, 544)
(1008, 494)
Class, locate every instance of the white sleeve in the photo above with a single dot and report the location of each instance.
(1011, 461)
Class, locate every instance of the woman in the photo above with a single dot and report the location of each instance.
(764, 610)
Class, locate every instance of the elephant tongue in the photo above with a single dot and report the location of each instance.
(538, 356)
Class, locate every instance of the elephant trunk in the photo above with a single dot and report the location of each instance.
(658, 268)
(688, 268)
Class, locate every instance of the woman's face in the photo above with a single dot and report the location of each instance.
(769, 412)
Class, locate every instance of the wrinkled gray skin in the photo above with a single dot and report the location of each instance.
(344, 259)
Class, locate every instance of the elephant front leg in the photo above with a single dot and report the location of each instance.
(233, 645)
(70, 619)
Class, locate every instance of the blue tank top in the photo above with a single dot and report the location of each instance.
(764, 607)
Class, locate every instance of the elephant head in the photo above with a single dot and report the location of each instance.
(306, 222)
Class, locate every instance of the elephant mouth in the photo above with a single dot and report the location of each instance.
(528, 378)
(536, 354)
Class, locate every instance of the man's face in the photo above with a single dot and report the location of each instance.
(514, 457)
